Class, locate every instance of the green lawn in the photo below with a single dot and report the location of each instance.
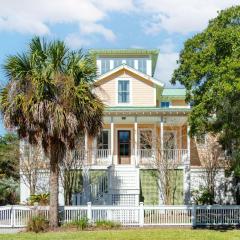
(133, 234)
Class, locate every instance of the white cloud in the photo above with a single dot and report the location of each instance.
(75, 40)
(36, 17)
(181, 16)
(167, 46)
(88, 28)
(166, 64)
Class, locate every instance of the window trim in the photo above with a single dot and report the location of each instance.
(130, 91)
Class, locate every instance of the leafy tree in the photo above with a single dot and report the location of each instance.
(9, 156)
(209, 68)
(9, 191)
(9, 169)
(49, 97)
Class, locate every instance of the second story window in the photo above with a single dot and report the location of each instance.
(130, 62)
(123, 91)
(117, 62)
(105, 65)
(142, 65)
(165, 104)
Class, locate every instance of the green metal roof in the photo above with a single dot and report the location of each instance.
(125, 51)
(174, 92)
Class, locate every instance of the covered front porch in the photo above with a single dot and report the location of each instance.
(138, 139)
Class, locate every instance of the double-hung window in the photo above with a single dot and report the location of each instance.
(142, 65)
(123, 91)
(105, 65)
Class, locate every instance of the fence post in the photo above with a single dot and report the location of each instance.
(194, 213)
(89, 211)
(12, 216)
(141, 214)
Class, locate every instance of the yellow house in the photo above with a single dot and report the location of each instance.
(144, 141)
(137, 105)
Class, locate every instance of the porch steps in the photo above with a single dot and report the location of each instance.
(123, 185)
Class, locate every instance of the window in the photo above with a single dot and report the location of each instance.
(165, 104)
(130, 62)
(117, 62)
(123, 91)
(145, 139)
(142, 65)
(102, 140)
(169, 140)
(105, 65)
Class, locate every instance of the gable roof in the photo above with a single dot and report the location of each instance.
(130, 69)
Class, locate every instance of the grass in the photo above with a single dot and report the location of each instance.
(131, 234)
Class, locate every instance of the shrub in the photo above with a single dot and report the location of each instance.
(106, 224)
(80, 224)
(41, 199)
(37, 224)
(202, 196)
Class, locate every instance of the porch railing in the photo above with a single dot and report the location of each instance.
(102, 156)
(147, 156)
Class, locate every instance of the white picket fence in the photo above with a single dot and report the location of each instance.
(18, 216)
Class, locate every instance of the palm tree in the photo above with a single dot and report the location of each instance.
(49, 98)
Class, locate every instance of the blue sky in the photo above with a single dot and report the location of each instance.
(107, 24)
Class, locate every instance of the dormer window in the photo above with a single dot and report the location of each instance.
(142, 65)
(130, 62)
(117, 62)
(123, 91)
(105, 65)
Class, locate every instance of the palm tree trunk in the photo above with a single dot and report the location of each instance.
(54, 175)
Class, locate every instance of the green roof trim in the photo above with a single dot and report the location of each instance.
(174, 92)
(132, 108)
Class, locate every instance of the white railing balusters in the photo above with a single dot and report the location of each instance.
(102, 157)
(18, 216)
(147, 155)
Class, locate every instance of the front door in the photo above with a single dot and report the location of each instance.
(124, 146)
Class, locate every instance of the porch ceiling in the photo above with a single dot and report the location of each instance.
(123, 119)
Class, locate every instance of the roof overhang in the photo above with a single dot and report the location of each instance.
(146, 111)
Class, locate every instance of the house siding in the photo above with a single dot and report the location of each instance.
(142, 90)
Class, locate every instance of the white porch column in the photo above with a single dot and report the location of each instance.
(187, 172)
(161, 133)
(136, 141)
(112, 140)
